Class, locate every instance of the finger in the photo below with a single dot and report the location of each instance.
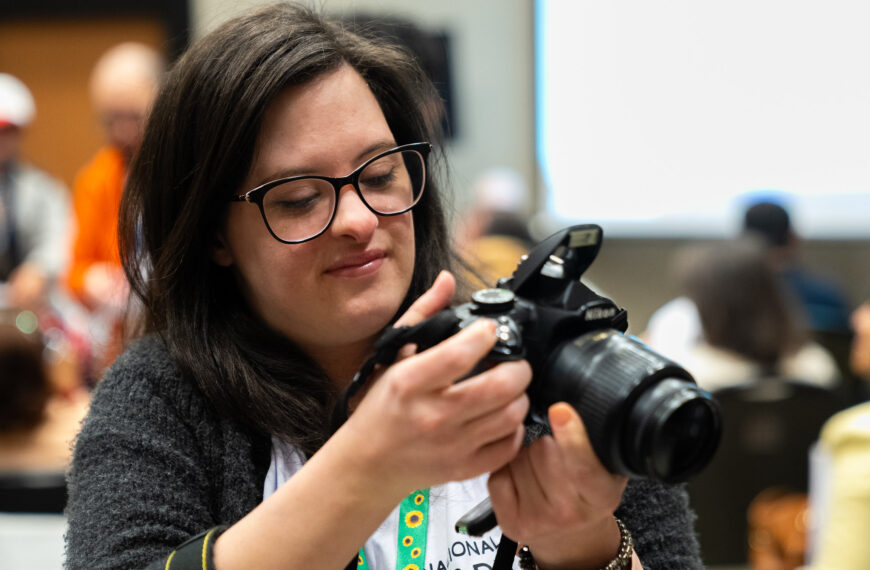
(529, 488)
(409, 349)
(505, 499)
(490, 456)
(497, 453)
(437, 297)
(568, 429)
(580, 459)
(500, 422)
(546, 460)
(452, 358)
(491, 389)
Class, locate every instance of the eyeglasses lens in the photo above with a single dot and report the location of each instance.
(302, 208)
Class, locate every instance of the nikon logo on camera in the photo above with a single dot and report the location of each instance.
(598, 313)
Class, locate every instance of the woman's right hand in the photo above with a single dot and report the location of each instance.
(418, 426)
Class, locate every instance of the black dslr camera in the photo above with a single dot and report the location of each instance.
(644, 414)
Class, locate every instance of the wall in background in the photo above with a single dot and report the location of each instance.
(51, 45)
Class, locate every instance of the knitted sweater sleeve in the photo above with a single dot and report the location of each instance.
(147, 470)
(661, 524)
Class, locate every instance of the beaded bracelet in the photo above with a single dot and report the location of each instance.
(621, 562)
(626, 549)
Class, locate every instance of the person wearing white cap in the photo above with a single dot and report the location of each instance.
(34, 209)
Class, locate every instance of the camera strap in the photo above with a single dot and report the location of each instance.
(425, 335)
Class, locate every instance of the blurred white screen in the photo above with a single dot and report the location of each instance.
(662, 118)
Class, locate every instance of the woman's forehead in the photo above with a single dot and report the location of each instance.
(325, 126)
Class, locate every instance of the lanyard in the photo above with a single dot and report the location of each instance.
(411, 542)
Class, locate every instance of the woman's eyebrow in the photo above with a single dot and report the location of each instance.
(373, 149)
(369, 151)
(282, 173)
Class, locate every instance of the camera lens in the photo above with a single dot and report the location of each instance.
(672, 430)
(644, 414)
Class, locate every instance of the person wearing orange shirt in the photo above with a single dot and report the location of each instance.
(123, 86)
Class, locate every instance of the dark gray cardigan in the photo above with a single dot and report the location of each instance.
(155, 464)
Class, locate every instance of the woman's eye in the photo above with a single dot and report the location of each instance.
(379, 180)
(294, 199)
(306, 202)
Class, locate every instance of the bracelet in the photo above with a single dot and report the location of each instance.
(621, 562)
(527, 561)
(626, 549)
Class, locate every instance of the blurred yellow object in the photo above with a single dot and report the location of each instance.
(842, 542)
(494, 257)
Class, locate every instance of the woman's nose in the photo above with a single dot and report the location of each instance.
(352, 216)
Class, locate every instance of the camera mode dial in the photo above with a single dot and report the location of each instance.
(489, 301)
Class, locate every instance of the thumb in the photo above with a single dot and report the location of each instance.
(568, 428)
(437, 297)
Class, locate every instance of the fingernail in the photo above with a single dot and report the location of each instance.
(483, 324)
(560, 416)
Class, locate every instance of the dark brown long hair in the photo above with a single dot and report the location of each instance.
(742, 304)
(197, 150)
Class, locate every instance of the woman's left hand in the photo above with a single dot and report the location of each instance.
(557, 498)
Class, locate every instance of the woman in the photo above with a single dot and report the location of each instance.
(261, 307)
(750, 328)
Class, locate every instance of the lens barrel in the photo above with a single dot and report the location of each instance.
(644, 414)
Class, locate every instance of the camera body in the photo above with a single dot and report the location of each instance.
(644, 414)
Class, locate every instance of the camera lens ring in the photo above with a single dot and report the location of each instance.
(675, 427)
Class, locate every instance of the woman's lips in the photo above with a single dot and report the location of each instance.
(358, 265)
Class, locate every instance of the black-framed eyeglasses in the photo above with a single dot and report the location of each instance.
(300, 208)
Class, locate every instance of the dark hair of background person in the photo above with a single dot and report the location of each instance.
(741, 303)
(770, 222)
(25, 388)
(197, 150)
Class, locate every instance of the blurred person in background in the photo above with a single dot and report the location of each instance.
(776, 387)
(840, 475)
(34, 209)
(37, 422)
(675, 327)
(123, 85)
(749, 328)
(824, 303)
(493, 235)
(860, 356)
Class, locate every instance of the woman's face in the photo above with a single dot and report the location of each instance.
(333, 294)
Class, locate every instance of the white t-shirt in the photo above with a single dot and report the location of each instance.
(446, 549)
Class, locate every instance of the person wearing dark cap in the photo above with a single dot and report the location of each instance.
(824, 304)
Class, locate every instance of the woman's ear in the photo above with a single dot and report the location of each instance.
(220, 253)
